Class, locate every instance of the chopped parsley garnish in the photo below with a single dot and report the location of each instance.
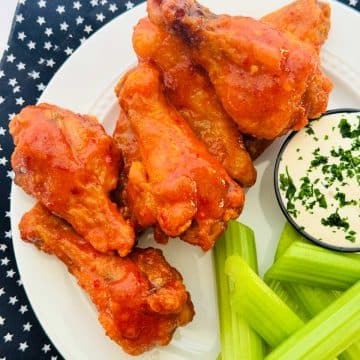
(287, 185)
(342, 200)
(309, 130)
(334, 220)
(346, 131)
(340, 167)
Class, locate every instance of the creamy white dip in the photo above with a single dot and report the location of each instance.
(319, 179)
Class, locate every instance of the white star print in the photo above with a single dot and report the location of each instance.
(13, 300)
(113, 8)
(2, 320)
(21, 36)
(103, 2)
(48, 31)
(10, 58)
(4, 262)
(16, 89)
(10, 174)
(2, 291)
(11, 116)
(41, 20)
(34, 74)
(3, 161)
(42, 3)
(129, 5)
(77, 5)
(8, 337)
(52, 358)
(94, 3)
(41, 61)
(7, 213)
(64, 26)
(45, 348)
(2, 99)
(3, 247)
(23, 309)
(2, 132)
(60, 9)
(79, 20)
(19, 101)
(19, 18)
(47, 45)
(100, 17)
(50, 63)
(19, 282)
(8, 234)
(12, 82)
(23, 346)
(353, 2)
(20, 66)
(2, 74)
(22, 2)
(31, 45)
(68, 51)
(88, 29)
(41, 87)
(27, 326)
(10, 273)
(82, 40)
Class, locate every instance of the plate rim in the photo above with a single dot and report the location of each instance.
(89, 43)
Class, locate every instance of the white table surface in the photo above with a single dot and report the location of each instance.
(7, 9)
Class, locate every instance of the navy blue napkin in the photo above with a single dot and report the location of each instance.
(43, 36)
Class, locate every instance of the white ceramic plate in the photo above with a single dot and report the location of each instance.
(85, 84)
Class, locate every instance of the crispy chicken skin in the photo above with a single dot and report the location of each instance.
(70, 165)
(261, 74)
(178, 187)
(307, 20)
(140, 298)
(190, 91)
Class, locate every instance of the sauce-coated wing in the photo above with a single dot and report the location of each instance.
(260, 73)
(140, 298)
(190, 91)
(178, 186)
(307, 20)
(70, 165)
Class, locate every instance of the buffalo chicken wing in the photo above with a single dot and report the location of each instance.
(140, 298)
(70, 165)
(178, 187)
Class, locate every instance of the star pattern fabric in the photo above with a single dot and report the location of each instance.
(44, 34)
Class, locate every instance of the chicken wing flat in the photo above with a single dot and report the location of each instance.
(309, 21)
(190, 91)
(70, 165)
(261, 74)
(141, 299)
(178, 186)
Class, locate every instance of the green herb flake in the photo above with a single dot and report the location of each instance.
(309, 130)
(334, 220)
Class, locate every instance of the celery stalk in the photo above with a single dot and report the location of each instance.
(238, 340)
(288, 236)
(316, 300)
(266, 313)
(314, 266)
(327, 334)
(282, 291)
(305, 299)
